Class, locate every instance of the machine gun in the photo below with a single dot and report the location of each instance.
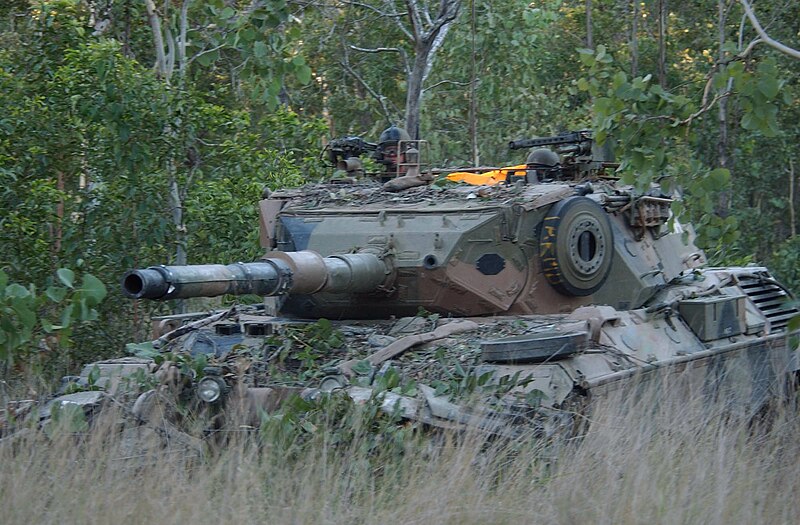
(580, 155)
(343, 153)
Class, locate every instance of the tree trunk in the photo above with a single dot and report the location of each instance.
(589, 29)
(473, 97)
(176, 206)
(662, 43)
(635, 39)
(414, 93)
(791, 199)
(428, 34)
(723, 203)
(56, 230)
(158, 38)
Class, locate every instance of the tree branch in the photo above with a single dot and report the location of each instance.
(182, 63)
(400, 51)
(374, 9)
(447, 14)
(763, 34)
(437, 43)
(451, 82)
(158, 38)
(382, 100)
(376, 49)
(688, 120)
(205, 52)
(414, 18)
(170, 65)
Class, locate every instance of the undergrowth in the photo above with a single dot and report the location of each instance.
(649, 456)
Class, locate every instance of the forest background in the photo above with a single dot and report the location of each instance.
(134, 133)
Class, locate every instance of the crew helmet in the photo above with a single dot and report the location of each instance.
(392, 135)
(543, 157)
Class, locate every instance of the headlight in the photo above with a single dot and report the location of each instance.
(331, 383)
(210, 389)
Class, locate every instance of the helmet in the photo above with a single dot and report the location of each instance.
(543, 157)
(392, 135)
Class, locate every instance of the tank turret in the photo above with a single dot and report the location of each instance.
(548, 244)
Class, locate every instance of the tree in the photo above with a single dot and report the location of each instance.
(419, 30)
(88, 136)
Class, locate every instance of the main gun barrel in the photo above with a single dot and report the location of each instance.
(278, 273)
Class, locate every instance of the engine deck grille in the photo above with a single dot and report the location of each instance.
(771, 299)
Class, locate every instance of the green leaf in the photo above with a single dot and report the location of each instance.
(601, 52)
(730, 47)
(85, 313)
(587, 57)
(143, 350)
(206, 59)
(66, 276)
(56, 294)
(17, 291)
(769, 87)
(720, 80)
(260, 49)
(227, 13)
(247, 34)
(362, 368)
(49, 327)
(25, 313)
(303, 74)
(748, 121)
(736, 69)
(719, 177)
(94, 289)
(66, 316)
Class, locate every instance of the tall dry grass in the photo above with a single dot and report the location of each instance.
(648, 457)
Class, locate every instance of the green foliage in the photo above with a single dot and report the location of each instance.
(31, 322)
(309, 351)
(66, 418)
(89, 138)
(785, 263)
(522, 56)
(253, 38)
(652, 131)
(301, 426)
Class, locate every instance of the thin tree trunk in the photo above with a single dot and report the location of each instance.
(427, 42)
(791, 198)
(184, 25)
(589, 29)
(635, 39)
(414, 93)
(473, 99)
(176, 205)
(662, 43)
(158, 39)
(56, 231)
(126, 32)
(723, 204)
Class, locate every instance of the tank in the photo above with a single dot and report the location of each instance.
(543, 289)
